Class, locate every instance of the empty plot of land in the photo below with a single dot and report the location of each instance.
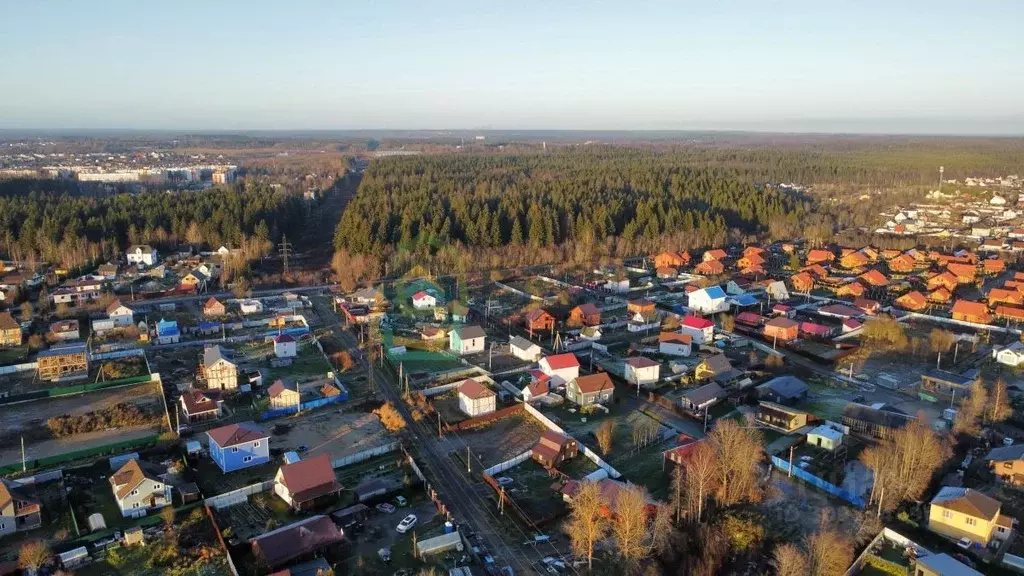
(500, 440)
(22, 417)
(331, 432)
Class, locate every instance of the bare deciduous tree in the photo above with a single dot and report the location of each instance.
(739, 454)
(629, 526)
(604, 435)
(903, 466)
(789, 560)
(587, 524)
(829, 552)
(972, 411)
(702, 475)
(999, 408)
(33, 555)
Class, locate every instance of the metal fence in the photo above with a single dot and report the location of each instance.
(34, 463)
(510, 463)
(590, 454)
(312, 404)
(365, 454)
(819, 483)
(238, 495)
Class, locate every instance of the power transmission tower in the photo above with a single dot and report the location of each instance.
(285, 250)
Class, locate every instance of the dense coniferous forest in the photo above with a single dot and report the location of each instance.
(544, 200)
(45, 220)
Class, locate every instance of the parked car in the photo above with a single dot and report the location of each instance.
(503, 480)
(302, 448)
(385, 555)
(406, 523)
(964, 543)
(385, 508)
(400, 501)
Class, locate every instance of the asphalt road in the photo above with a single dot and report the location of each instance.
(467, 506)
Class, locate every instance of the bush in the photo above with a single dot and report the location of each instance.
(390, 417)
(117, 416)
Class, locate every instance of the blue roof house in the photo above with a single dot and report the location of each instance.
(238, 446)
(167, 332)
(708, 300)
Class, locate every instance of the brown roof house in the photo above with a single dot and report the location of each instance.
(782, 328)
(539, 320)
(967, 311)
(913, 301)
(214, 308)
(475, 399)
(671, 259)
(592, 389)
(306, 483)
(200, 405)
(10, 330)
(802, 282)
(296, 541)
(553, 448)
(965, 513)
(585, 315)
(17, 511)
(138, 492)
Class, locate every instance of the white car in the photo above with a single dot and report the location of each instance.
(406, 523)
(964, 543)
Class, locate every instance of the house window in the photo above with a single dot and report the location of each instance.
(135, 504)
(157, 487)
(247, 459)
(947, 514)
(971, 521)
(234, 449)
(1008, 465)
(256, 444)
(135, 492)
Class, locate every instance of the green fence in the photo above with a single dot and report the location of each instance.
(76, 389)
(85, 453)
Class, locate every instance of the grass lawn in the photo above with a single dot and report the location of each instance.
(306, 365)
(15, 355)
(646, 468)
(830, 409)
(212, 481)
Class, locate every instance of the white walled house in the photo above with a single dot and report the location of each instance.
(524, 349)
(1012, 355)
(475, 399)
(136, 492)
(251, 306)
(142, 255)
(120, 315)
(422, 300)
(825, 436)
(641, 371)
(675, 344)
(467, 339)
(701, 330)
(561, 368)
(284, 346)
(709, 300)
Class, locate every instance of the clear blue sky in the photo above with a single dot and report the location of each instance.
(832, 65)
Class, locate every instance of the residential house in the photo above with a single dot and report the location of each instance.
(874, 278)
(967, 311)
(718, 368)
(538, 320)
(585, 390)
(701, 330)
(709, 268)
(902, 264)
(877, 422)
(18, 512)
(107, 271)
(538, 386)
(284, 393)
(802, 282)
(219, 371)
(786, 390)
(784, 310)
(941, 565)
(194, 279)
(854, 260)
(422, 300)
(457, 311)
(944, 280)
(666, 273)
(60, 331)
(867, 306)
(680, 454)
(433, 333)
(700, 399)
(285, 346)
(238, 446)
(639, 306)
(307, 483)
(750, 261)
(1004, 296)
(1007, 464)
(993, 266)
(965, 273)
(957, 513)
(937, 381)
(137, 492)
(776, 290)
(553, 448)
(815, 330)
(120, 314)
(142, 255)
(1012, 355)
(591, 333)
(561, 368)
(674, 260)
(77, 291)
(751, 319)
(250, 306)
(825, 436)
(63, 362)
(781, 329)
(913, 301)
(214, 308)
(167, 331)
(476, 399)
(10, 330)
(854, 289)
(714, 254)
(940, 296)
(368, 296)
(200, 405)
(467, 339)
(301, 539)
(781, 417)
(708, 300)
(642, 372)
(675, 344)
(820, 256)
(524, 349)
(585, 315)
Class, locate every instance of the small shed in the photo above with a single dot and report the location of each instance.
(189, 492)
(133, 536)
(193, 447)
(291, 457)
(96, 522)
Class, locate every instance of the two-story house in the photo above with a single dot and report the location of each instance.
(142, 255)
(238, 446)
(218, 370)
(17, 512)
(10, 330)
(1007, 464)
(965, 513)
(560, 367)
(591, 389)
(553, 448)
(475, 399)
(137, 492)
(200, 405)
(467, 339)
(307, 482)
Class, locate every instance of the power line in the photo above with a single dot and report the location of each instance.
(285, 250)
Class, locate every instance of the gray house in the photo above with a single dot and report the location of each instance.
(785, 390)
(17, 511)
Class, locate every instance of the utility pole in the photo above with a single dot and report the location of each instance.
(469, 462)
(790, 461)
(23, 465)
(285, 250)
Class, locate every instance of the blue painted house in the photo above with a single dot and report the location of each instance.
(238, 446)
(167, 332)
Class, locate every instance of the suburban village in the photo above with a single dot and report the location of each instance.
(468, 423)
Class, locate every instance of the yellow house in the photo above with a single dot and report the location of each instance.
(964, 513)
(10, 330)
(1007, 464)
